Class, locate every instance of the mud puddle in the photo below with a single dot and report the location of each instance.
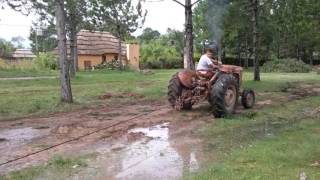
(155, 153)
(11, 139)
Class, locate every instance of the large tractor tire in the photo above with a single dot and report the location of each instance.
(175, 91)
(224, 95)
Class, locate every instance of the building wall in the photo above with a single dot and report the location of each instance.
(94, 59)
(133, 56)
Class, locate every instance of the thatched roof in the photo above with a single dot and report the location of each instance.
(23, 53)
(96, 43)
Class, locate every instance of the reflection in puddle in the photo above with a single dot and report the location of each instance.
(152, 157)
(14, 138)
(158, 131)
(22, 134)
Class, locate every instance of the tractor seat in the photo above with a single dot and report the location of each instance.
(205, 73)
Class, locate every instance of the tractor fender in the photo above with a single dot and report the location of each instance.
(231, 69)
(187, 78)
(235, 70)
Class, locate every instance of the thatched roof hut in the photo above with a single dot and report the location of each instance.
(23, 54)
(98, 43)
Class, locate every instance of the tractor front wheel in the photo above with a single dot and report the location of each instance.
(248, 98)
(224, 95)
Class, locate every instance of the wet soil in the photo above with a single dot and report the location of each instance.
(160, 144)
(121, 95)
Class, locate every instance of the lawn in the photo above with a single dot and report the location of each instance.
(20, 98)
(275, 143)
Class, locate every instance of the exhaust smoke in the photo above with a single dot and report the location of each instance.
(214, 17)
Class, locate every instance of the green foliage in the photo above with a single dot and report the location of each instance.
(108, 65)
(286, 29)
(156, 56)
(6, 48)
(163, 64)
(163, 52)
(286, 66)
(47, 60)
(45, 42)
(148, 35)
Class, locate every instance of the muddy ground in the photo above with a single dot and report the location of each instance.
(132, 141)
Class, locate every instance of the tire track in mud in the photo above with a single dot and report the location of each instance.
(163, 107)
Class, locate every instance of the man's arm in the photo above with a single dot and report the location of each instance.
(215, 64)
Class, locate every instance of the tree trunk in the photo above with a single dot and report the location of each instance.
(246, 61)
(239, 53)
(278, 45)
(120, 46)
(120, 53)
(66, 94)
(73, 52)
(188, 49)
(311, 57)
(255, 8)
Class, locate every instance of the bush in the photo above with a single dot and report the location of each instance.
(108, 65)
(162, 64)
(286, 66)
(47, 60)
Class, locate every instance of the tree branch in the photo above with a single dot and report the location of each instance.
(179, 3)
(195, 3)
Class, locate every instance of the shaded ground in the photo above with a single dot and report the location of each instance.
(153, 142)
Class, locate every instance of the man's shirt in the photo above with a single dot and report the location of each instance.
(204, 63)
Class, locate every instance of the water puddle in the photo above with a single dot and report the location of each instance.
(22, 134)
(155, 156)
(12, 139)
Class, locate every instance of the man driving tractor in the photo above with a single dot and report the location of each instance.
(207, 62)
(218, 84)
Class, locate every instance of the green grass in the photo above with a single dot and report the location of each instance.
(282, 157)
(9, 73)
(57, 168)
(23, 68)
(36, 97)
(274, 143)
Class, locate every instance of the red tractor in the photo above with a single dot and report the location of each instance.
(221, 87)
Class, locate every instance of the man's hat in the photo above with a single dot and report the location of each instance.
(213, 48)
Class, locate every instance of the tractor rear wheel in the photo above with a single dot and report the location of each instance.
(224, 95)
(174, 93)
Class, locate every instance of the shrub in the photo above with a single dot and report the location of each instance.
(162, 63)
(47, 60)
(113, 65)
(107, 65)
(286, 66)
